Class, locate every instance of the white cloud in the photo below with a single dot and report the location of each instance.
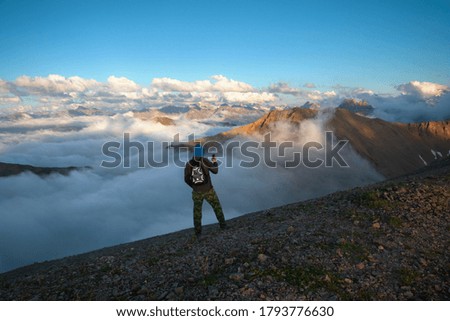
(351, 92)
(216, 91)
(303, 94)
(223, 84)
(171, 85)
(422, 89)
(284, 88)
(3, 86)
(55, 84)
(122, 84)
(249, 97)
(9, 99)
(220, 84)
(309, 85)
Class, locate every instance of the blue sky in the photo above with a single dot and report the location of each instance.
(370, 44)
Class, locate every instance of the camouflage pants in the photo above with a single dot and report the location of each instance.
(213, 200)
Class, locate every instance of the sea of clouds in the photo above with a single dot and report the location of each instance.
(49, 217)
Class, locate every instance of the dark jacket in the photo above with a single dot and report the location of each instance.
(207, 167)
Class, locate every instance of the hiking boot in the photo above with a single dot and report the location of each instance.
(199, 237)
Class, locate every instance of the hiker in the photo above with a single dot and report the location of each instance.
(196, 175)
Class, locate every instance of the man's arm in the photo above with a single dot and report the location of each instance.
(187, 174)
(212, 166)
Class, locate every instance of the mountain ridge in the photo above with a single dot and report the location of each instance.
(11, 169)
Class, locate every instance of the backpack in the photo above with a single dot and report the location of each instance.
(197, 175)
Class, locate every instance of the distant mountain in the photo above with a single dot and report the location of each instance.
(166, 121)
(357, 106)
(83, 111)
(174, 109)
(9, 169)
(310, 105)
(223, 115)
(15, 116)
(41, 114)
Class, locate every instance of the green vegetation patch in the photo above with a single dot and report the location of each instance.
(372, 200)
(355, 252)
(210, 279)
(407, 276)
(307, 278)
(359, 215)
(303, 207)
(395, 221)
(151, 261)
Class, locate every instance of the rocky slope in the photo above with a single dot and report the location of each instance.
(383, 242)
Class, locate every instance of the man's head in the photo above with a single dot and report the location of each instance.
(198, 151)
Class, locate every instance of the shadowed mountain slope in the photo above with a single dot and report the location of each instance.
(393, 148)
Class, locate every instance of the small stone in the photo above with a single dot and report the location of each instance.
(409, 294)
(348, 281)
(381, 247)
(230, 261)
(163, 295)
(262, 258)
(213, 291)
(248, 292)
(237, 276)
(376, 225)
(360, 266)
(423, 261)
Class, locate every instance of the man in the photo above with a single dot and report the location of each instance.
(196, 175)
